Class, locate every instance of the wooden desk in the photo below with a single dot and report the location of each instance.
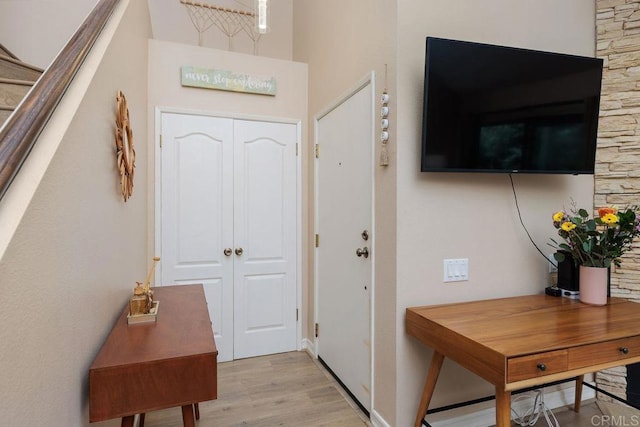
(150, 366)
(520, 342)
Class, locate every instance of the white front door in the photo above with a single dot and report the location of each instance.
(344, 225)
(228, 221)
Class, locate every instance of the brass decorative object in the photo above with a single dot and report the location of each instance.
(126, 154)
(142, 307)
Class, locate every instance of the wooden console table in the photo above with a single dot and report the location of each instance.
(519, 342)
(150, 366)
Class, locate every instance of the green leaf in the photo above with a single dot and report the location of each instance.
(559, 256)
(583, 213)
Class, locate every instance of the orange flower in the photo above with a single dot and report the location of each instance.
(606, 211)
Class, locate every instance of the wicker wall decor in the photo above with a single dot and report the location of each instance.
(126, 154)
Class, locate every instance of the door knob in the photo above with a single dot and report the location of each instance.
(227, 251)
(239, 251)
(363, 252)
(365, 235)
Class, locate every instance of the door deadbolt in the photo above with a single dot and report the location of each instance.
(227, 251)
(365, 235)
(363, 252)
(239, 251)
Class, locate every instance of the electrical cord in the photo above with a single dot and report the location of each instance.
(515, 197)
(530, 417)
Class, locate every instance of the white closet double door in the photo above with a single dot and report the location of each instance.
(228, 221)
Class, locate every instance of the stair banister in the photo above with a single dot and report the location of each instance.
(21, 130)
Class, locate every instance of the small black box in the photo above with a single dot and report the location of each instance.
(568, 273)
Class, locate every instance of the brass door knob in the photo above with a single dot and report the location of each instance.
(239, 251)
(228, 251)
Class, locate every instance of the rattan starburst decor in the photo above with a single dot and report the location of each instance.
(126, 154)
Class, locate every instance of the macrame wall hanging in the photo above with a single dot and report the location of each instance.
(229, 21)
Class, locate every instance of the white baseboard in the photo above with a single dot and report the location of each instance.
(310, 347)
(377, 420)
(487, 416)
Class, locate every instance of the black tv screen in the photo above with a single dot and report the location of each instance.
(502, 109)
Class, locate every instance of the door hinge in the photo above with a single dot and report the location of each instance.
(317, 240)
(297, 318)
(317, 330)
(160, 140)
(317, 148)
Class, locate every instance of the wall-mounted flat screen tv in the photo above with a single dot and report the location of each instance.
(502, 109)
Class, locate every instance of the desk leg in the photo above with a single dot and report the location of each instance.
(429, 386)
(127, 421)
(503, 407)
(187, 416)
(578, 396)
(196, 409)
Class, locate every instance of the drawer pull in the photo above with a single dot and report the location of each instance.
(624, 350)
(542, 366)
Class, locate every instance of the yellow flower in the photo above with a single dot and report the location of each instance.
(557, 217)
(568, 226)
(610, 218)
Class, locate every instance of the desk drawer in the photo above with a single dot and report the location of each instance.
(604, 352)
(536, 365)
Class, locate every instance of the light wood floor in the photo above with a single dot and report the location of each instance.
(289, 389)
(292, 389)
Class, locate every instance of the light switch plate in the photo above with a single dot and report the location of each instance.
(456, 270)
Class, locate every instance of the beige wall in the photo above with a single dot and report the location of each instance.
(342, 42)
(36, 30)
(290, 104)
(472, 216)
(425, 218)
(171, 22)
(78, 250)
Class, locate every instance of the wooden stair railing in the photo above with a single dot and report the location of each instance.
(20, 132)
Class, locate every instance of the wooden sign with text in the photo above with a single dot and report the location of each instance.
(227, 80)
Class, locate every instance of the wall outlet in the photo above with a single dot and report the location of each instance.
(456, 270)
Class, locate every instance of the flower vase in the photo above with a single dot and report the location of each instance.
(593, 285)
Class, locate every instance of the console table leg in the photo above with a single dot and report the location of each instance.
(503, 407)
(141, 422)
(127, 421)
(429, 386)
(578, 396)
(187, 416)
(196, 409)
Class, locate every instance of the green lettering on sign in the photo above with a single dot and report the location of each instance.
(227, 80)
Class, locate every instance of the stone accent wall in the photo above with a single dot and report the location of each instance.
(617, 178)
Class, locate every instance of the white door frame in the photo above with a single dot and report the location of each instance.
(369, 78)
(155, 156)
